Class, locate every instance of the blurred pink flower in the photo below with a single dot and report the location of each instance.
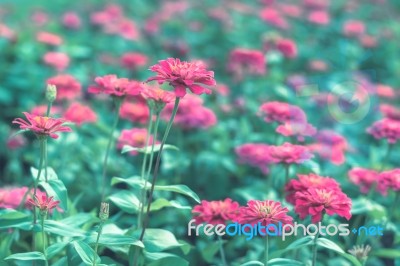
(318, 65)
(319, 17)
(289, 153)
(364, 178)
(282, 112)
(386, 129)
(158, 95)
(318, 4)
(135, 137)
(49, 38)
(137, 112)
(353, 28)
(246, 61)
(317, 201)
(389, 180)
(57, 60)
(389, 111)
(181, 75)
(291, 10)
(42, 125)
(15, 142)
(385, 91)
(41, 110)
(254, 154)
(216, 212)
(330, 146)
(11, 197)
(298, 129)
(112, 85)
(71, 20)
(80, 114)
(40, 18)
(274, 17)
(287, 47)
(264, 212)
(133, 60)
(7, 33)
(68, 88)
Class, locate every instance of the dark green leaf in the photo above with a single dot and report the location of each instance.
(147, 149)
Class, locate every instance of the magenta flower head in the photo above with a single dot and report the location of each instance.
(119, 87)
(44, 203)
(216, 212)
(181, 75)
(289, 153)
(266, 212)
(42, 125)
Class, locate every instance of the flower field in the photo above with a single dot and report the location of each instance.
(183, 132)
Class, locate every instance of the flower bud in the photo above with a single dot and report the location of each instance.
(51, 93)
(104, 211)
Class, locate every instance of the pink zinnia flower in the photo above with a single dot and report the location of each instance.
(274, 17)
(287, 47)
(317, 201)
(16, 141)
(120, 87)
(318, 4)
(157, 94)
(71, 20)
(353, 28)
(42, 125)
(7, 33)
(67, 86)
(363, 177)
(299, 129)
(282, 112)
(57, 60)
(289, 153)
(291, 10)
(386, 129)
(368, 41)
(246, 61)
(319, 17)
(135, 137)
(181, 75)
(49, 38)
(216, 212)
(385, 91)
(80, 114)
(308, 181)
(330, 146)
(133, 60)
(44, 203)
(389, 111)
(266, 212)
(389, 180)
(254, 154)
(137, 112)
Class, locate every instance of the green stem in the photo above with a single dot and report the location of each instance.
(155, 174)
(45, 158)
(118, 102)
(314, 250)
(221, 251)
(49, 108)
(266, 249)
(43, 238)
(96, 247)
(144, 164)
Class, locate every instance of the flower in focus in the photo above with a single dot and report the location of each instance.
(282, 112)
(68, 87)
(44, 203)
(133, 60)
(246, 61)
(80, 114)
(308, 181)
(215, 212)
(49, 38)
(353, 28)
(255, 154)
(317, 201)
(386, 129)
(289, 153)
(266, 212)
(71, 20)
(181, 75)
(57, 60)
(330, 146)
(364, 178)
(389, 180)
(135, 137)
(42, 125)
(137, 112)
(120, 87)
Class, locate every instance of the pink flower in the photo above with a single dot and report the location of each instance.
(289, 153)
(330, 146)
(266, 212)
(385, 91)
(80, 114)
(71, 20)
(44, 203)
(389, 111)
(274, 17)
(368, 41)
(389, 180)
(57, 60)
(291, 10)
(42, 125)
(216, 212)
(386, 129)
(254, 154)
(308, 181)
(364, 178)
(282, 112)
(319, 17)
(68, 87)
(246, 61)
(137, 112)
(317, 201)
(299, 129)
(318, 4)
(318, 65)
(49, 38)
(40, 18)
(133, 60)
(11, 197)
(120, 87)
(353, 28)
(16, 141)
(41, 110)
(157, 95)
(135, 137)
(287, 47)
(7, 33)
(181, 75)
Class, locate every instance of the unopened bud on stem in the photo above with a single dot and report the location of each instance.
(104, 211)
(51, 93)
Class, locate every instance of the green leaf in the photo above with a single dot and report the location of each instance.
(115, 240)
(302, 242)
(56, 189)
(253, 263)
(366, 206)
(126, 200)
(14, 219)
(326, 243)
(162, 259)
(55, 249)
(85, 252)
(29, 256)
(312, 165)
(386, 253)
(158, 204)
(147, 149)
(61, 229)
(156, 240)
(284, 262)
(209, 251)
(134, 182)
(78, 219)
(51, 174)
